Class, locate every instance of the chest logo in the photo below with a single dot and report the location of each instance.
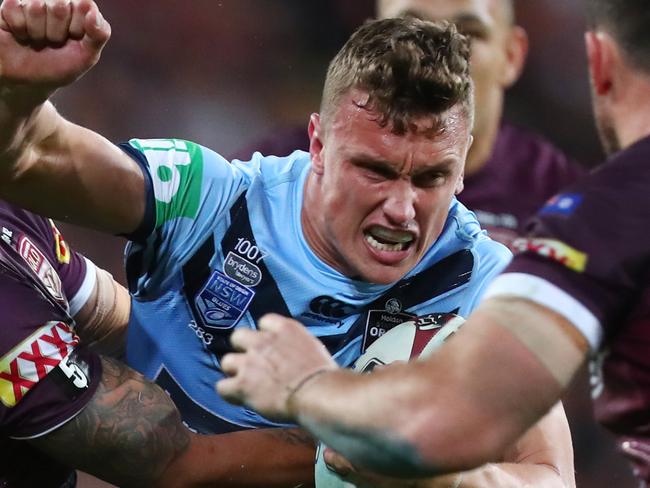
(327, 306)
(46, 273)
(242, 270)
(222, 301)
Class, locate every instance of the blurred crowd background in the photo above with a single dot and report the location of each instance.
(226, 73)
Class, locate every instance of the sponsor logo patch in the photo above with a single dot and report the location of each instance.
(7, 236)
(60, 246)
(31, 360)
(242, 270)
(222, 301)
(562, 204)
(379, 322)
(554, 250)
(41, 266)
(331, 307)
(393, 305)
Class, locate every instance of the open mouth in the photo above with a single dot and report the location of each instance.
(384, 239)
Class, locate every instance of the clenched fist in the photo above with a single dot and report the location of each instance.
(46, 44)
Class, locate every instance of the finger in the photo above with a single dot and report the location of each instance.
(79, 9)
(244, 339)
(273, 322)
(228, 389)
(98, 31)
(35, 17)
(13, 19)
(59, 15)
(337, 463)
(231, 363)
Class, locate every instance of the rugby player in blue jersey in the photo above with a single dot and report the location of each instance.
(578, 288)
(353, 237)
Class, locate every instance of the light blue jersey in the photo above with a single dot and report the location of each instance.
(222, 244)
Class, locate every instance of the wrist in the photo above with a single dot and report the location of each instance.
(293, 404)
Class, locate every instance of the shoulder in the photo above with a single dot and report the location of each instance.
(462, 231)
(274, 170)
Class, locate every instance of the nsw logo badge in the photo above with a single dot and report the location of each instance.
(222, 301)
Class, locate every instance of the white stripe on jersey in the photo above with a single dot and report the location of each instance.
(86, 288)
(544, 293)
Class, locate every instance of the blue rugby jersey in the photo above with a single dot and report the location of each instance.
(222, 244)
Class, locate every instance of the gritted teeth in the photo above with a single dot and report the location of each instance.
(389, 236)
(400, 246)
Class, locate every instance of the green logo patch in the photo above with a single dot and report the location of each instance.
(176, 168)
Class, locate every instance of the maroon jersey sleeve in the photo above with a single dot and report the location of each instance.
(46, 376)
(588, 250)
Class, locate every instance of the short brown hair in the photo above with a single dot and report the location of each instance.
(409, 68)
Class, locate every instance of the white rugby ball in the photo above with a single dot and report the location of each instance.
(410, 340)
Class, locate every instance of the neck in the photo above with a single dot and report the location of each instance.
(632, 116)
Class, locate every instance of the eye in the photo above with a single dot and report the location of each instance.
(430, 179)
(376, 172)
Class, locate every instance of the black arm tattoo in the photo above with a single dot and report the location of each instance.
(127, 434)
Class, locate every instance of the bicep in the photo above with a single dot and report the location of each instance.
(500, 382)
(127, 434)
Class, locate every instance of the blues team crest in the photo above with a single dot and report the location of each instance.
(222, 301)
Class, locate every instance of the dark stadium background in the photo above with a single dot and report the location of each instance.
(227, 72)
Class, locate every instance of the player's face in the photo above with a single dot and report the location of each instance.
(487, 23)
(376, 201)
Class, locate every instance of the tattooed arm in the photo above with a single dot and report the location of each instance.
(127, 434)
(130, 434)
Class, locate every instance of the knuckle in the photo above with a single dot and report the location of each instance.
(59, 8)
(35, 7)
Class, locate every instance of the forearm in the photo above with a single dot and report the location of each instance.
(24, 123)
(510, 475)
(416, 419)
(273, 458)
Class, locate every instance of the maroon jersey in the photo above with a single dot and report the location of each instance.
(46, 377)
(523, 172)
(588, 258)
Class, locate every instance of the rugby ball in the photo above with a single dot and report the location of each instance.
(410, 340)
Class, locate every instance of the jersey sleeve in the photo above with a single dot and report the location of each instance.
(189, 190)
(46, 376)
(78, 273)
(587, 251)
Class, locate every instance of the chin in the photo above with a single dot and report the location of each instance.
(384, 276)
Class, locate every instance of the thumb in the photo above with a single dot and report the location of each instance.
(98, 30)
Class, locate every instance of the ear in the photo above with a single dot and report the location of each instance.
(315, 144)
(460, 184)
(600, 58)
(516, 52)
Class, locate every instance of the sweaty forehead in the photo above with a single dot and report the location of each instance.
(487, 10)
(356, 129)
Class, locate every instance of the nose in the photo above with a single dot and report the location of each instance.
(399, 205)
